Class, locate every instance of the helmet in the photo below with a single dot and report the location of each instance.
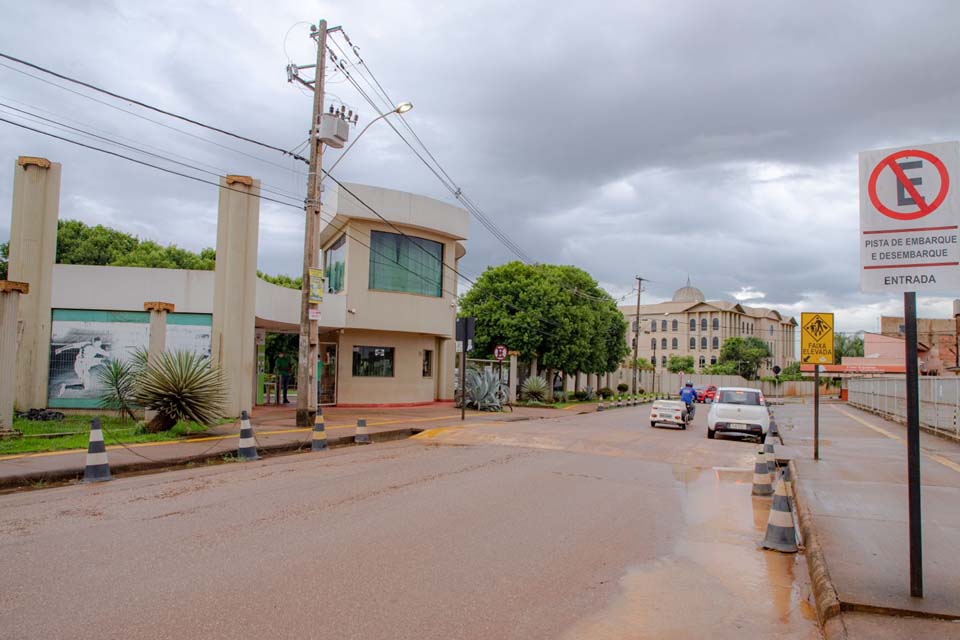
(689, 384)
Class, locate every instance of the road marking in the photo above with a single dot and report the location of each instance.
(950, 464)
(138, 445)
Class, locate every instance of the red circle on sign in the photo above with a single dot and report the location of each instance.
(924, 208)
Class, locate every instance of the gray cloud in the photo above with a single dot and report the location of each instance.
(628, 138)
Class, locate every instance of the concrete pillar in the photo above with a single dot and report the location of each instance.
(513, 376)
(10, 293)
(235, 289)
(446, 363)
(33, 250)
(158, 336)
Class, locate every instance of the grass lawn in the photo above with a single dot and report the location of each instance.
(77, 430)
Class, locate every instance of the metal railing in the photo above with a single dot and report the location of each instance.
(939, 400)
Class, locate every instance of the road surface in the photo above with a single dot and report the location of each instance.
(584, 526)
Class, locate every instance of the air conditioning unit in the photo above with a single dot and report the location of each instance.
(334, 131)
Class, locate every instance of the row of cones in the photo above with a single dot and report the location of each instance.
(629, 401)
(98, 467)
(781, 533)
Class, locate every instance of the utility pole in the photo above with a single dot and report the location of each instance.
(309, 340)
(636, 337)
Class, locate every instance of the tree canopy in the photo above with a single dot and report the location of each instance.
(680, 364)
(557, 314)
(847, 345)
(746, 354)
(78, 243)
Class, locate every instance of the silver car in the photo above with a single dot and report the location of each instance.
(738, 411)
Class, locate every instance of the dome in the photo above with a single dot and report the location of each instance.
(688, 293)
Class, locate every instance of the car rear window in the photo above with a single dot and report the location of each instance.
(740, 397)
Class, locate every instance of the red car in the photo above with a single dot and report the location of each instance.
(707, 394)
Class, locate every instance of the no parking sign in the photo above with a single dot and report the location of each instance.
(909, 217)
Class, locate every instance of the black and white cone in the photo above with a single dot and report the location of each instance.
(248, 446)
(98, 468)
(319, 433)
(761, 476)
(361, 437)
(771, 454)
(781, 531)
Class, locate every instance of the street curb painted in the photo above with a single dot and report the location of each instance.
(65, 475)
(824, 592)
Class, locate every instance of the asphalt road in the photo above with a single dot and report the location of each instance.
(592, 526)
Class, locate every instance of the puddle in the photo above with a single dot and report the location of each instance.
(715, 583)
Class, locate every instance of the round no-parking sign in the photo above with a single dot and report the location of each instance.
(909, 216)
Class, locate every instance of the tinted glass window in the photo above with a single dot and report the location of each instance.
(376, 362)
(335, 264)
(751, 398)
(405, 264)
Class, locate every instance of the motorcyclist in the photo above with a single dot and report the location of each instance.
(688, 395)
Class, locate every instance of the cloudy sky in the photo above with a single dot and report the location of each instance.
(659, 139)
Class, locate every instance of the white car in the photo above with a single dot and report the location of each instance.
(738, 411)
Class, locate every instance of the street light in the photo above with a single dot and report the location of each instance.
(401, 108)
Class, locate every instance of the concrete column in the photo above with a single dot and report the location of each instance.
(158, 336)
(235, 289)
(9, 302)
(513, 376)
(446, 357)
(33, 250)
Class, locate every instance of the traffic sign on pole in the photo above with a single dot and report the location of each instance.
(500, 352)
(909, 217)
(816, 338)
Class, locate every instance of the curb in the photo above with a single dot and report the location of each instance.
(824, 592)
(66, 475)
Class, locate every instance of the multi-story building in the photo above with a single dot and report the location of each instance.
(691, 325)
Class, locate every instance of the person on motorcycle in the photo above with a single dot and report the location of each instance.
(688, 395)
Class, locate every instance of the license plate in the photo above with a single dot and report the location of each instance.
(738, 427)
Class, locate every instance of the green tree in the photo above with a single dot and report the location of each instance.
(746, 354)
(680, 364)
(847, 345)
(721, 369)
(282, 280)
(644, 365)
(790, 372)
(4, 251)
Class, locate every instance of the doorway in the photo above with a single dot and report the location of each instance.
(327, 393)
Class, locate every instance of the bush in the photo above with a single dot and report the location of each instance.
(560, 396)
(180, 386)
(580, 395)
(485, 391)
(589, 395)
(623, 387)
(605, 392)
(534, 388)
(640, 391)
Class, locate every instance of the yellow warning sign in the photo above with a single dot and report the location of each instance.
(816, 338)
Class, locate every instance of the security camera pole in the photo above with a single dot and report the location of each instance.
(309, 344)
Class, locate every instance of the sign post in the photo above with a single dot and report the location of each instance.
(465, 331)
(816, 346)
(909, 217)
(500, 353)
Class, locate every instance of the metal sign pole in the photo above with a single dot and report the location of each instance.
(913, 443)
(463, 381)
(816, 412)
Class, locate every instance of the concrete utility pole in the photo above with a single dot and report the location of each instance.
(309, 340)
(636, 337)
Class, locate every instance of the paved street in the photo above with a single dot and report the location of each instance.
(581, 526)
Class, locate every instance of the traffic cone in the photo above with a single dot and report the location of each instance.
(619, 402)
(599, 403)
(319, 433)
(361, 437)
(771, 455)
(97, 469)
(761, 476)
(248, 446)
(773, 431)
(781, 532)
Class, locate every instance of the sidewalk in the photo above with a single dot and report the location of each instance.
(275, 430)
(856, 498)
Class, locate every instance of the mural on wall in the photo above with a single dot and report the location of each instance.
(82, 341)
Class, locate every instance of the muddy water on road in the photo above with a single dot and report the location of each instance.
(715, 583)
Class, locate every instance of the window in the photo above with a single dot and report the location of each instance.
(675, 344)
(693, 324)
(663, 325)
(663, 343)
(653, 343)
(703, 342)
(716, 342)
(703, 361)
(636, 325)
(730, 396)
(716, 324)
(427, 363)
(676, 325)
(703, 324)
(405, 264)
(713, 359)
(335, 264)
(653, 326)
(663, 361)
(693, 343)
(373, 362)
(771, 329)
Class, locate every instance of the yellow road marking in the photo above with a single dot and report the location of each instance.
(137, 445)
(950, 464)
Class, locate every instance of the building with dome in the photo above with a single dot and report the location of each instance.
(691, 325)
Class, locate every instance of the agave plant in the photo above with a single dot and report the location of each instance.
(118, 379)
(485, 390)
(180, 385)
(534, 388)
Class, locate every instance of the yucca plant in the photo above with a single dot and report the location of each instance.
(180, 385)
(118, 379)
(534, 388)
(485, 391)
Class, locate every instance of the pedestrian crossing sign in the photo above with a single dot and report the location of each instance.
(816, 338)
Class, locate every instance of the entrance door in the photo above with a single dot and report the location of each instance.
(327, 394)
